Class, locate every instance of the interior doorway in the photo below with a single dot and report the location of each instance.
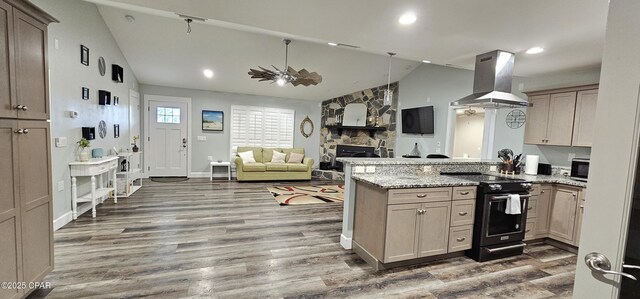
(469, 132)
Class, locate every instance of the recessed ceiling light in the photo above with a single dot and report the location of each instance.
(407, 18)
(535, 50)
(426, 61)
(208, 73)
(130, 18)
(332, 44)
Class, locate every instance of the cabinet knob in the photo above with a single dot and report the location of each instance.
(462, 213)
(461, 239)
(464, 193)
(526, 231)
(542, 191)
(421, 195)
(25, 131)
(21, 107)
(19, 131)
(422, 211)
(530, 208)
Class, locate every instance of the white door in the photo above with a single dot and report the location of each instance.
(167, 138)
(613, 169)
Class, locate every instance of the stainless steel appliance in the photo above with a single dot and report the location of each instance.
(497, 234)
(579, 169)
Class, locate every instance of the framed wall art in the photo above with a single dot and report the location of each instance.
(116, 131)
(84, 55)
(212, 120)
(85, 93)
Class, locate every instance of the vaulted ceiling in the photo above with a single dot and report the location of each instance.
(239, 35)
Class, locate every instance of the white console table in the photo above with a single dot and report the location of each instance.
(93, 168)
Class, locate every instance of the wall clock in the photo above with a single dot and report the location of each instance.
(102, 66)
(516, 118)
(102, 129)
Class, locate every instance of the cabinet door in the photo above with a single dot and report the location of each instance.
(10, 249)
(31, 66)
(563, 214)
(35, 199)
(434, 228)
(537, 118)
(7, 94)
(401, 242)
(542, 211)
(585, 116)
(561, 111)
(582, 194)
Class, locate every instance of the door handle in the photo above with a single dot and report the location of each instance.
(184, 142)
(598, 262)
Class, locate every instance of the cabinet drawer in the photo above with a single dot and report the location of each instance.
(416, 195)
(530, 230)
(532, 207)
(462, 212)
(460, 238)
(535, 190)
(466, 192)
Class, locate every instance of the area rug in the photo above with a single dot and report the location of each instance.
(303, 195)
(168, 179)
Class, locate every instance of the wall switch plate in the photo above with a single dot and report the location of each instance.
(370, 169)
(521, 86)
(60, 186)
(56, 44)
(571, 157)
(61, 141)
(428, 99)
(426, 168)
(358, 169)
(493, 168)
(565, 172)
(210, 158)
(202, 138)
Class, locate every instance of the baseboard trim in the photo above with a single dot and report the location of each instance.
(345, 242)
(205, 174)
(62, 220)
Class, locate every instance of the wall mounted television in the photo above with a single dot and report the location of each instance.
(418, 120)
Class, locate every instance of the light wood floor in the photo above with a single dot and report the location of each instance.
(232, 240)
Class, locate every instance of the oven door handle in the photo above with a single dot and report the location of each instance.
(492, 250)
(506, 197)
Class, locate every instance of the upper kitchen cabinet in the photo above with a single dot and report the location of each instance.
(562, 116)
(23, 61)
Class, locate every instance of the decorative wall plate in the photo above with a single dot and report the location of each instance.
(306, 127)
(102, 66)
(516, 118)
(102, 129)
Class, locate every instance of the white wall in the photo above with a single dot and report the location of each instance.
(81, 23)
(217, 143)
(468, 138)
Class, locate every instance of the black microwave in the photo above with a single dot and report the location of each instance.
(579, 169)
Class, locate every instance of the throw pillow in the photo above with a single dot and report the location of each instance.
(247, 157)
(278, 157)
(295, 158)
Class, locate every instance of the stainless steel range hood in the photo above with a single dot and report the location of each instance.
(492, 83)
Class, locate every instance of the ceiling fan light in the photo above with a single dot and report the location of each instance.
(407, 18)
(281, 81)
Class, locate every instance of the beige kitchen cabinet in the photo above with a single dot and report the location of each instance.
(564, 204)
(583, 123)
(582, 195)
(542, 211)
(434, 228)
(7, 63)
(561, 117)
(403, 226)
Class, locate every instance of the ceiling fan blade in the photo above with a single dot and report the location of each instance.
(292, 72)
(277, 69)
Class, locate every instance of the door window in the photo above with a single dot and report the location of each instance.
(168, 115)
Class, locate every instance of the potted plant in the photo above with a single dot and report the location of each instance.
(83, 153)
(135, 148)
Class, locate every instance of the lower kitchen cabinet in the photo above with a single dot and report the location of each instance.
(403, 225)
(563, 213)
(542, 211)
(434, 228)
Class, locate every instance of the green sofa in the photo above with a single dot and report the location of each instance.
(264, 170)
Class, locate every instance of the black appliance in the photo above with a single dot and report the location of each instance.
(544, 169)
(497, 234)
(344, 151)
(580, 169)
(418, 120)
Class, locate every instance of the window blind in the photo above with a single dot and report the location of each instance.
(260, 126)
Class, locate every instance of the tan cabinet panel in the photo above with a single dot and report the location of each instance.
(462, 212)
(583, 123)
(402, 232)
(530, 229)
(563, 214)
(580, 212)
(532, 207)
(8, 167)
(9, 256)
(460, 238)
(543, 203)
(465, 192)
(7, 96)
(537, 118)
(434, 228)
(561, 111)
(37, 258)
(418, 195)
(31, 66)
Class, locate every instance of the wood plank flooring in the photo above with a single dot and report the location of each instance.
(232, 240)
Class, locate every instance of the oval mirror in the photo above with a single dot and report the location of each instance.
(306, 127)
(102, 67)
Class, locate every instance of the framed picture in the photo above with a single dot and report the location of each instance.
(85, 93)
(84, 55)
(116, 131)
(212, 120)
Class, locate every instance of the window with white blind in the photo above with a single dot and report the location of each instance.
(260, 126)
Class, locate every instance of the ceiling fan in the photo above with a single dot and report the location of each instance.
(287, 74)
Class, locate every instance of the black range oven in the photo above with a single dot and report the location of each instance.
(497, 233)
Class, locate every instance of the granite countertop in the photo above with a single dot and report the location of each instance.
(410, 161)
(545, 179)
(397, 182)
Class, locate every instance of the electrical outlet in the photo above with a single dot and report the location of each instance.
(358, 169)
(426, 168)
(210, 158)
(564, 172)
(571, 157)
(56, 44)
(428, 100)
(60, 186)
(370, 169)
(493, 168)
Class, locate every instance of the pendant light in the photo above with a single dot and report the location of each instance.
(388, 94)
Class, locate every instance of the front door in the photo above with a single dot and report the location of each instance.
(167, 139)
